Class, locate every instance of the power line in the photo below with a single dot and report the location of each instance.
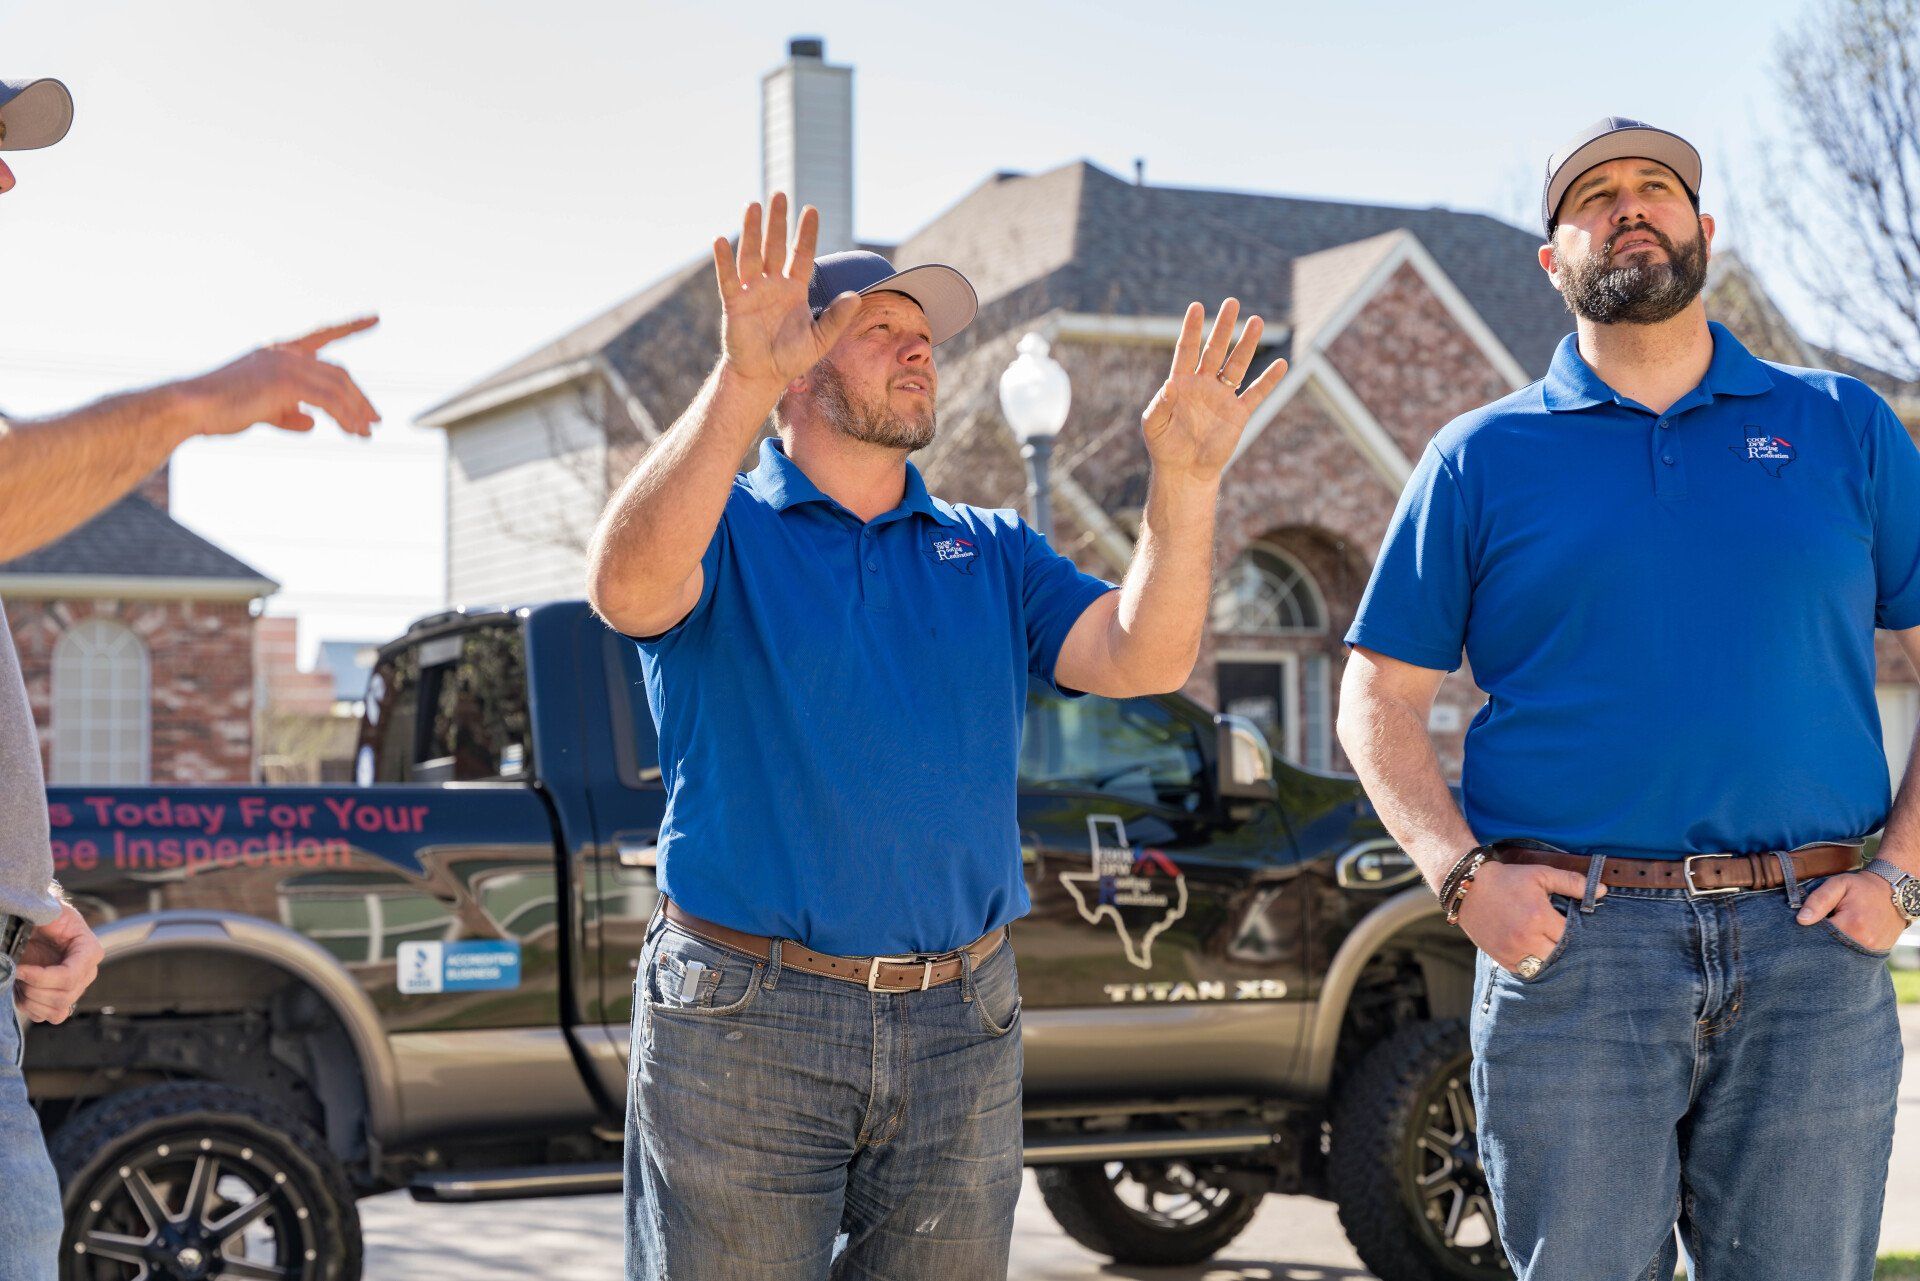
(57, 364)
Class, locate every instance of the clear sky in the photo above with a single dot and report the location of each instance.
(487, 174)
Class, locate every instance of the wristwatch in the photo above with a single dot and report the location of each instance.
(1906, 888)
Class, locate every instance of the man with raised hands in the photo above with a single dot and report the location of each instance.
(826, 1031)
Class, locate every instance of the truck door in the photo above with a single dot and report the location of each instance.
(1149, 892)
(629, 801)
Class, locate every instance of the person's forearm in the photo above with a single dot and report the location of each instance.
(56, 473)
(654, 530)
(1387, 742)
(1900, 839)
(1154, 635)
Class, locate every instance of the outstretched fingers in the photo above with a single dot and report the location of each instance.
(1241, 357)
(775, 253)
(806, 240)
(1215, 354)
(1186, 351)
(725, 270)
(1263, 385)
(310, 344)
(751, 263)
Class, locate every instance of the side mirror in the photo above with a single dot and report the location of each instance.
(1246, 762)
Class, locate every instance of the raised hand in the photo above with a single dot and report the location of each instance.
(272, 384)
(1195, 420)
(767, 331)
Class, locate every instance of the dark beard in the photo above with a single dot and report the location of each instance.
(1636, 293)
(875, 424)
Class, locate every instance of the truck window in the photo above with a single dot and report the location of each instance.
(636, 744)
(1134, 749)
(449, 709)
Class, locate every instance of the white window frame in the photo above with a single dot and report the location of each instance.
(1305, 579)
(1289, 662)
(1899, 703)
(82, 710)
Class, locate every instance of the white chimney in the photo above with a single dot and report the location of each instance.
(806, 138)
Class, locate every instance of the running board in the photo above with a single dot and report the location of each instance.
(1067, 1149)
(578, 1180)
(513, 1184)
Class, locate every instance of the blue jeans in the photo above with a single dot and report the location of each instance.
(771, 1110)
(1706, 1062)
(30, 1216)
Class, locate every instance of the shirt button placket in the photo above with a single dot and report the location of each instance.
(1669, 476)
(874, 585)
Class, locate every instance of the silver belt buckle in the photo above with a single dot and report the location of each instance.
(1695, 891)
(873, 973)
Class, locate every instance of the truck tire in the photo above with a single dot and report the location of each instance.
(1181, 1219)
(1404, 1168)
(272, 1200)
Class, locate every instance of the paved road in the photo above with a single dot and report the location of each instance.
(1292, 1239)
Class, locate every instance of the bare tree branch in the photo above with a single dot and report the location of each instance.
(1841, 197)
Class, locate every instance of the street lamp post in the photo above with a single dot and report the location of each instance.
(1035, 395)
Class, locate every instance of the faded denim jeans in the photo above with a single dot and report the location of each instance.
(1707, 1062)
(30, 1216)
(770, 1110)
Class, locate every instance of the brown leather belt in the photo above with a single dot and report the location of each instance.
(1697, 874)
(877, 973)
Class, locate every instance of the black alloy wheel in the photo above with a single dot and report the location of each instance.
(1405, 1169)
(190, 1182)
(1146, 1212)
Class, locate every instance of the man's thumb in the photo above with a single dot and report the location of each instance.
(1570, 884)
(837, 316)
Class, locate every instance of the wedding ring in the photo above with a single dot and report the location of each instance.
(1529, 967)
(1227, 378)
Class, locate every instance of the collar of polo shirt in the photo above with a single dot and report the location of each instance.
(1734, 371)
(781, 484)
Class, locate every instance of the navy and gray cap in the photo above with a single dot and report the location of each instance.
(1616, 138)
(33, 113)
(943, 293)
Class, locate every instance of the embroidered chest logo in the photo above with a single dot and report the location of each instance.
(1770, 451)
(951, 549)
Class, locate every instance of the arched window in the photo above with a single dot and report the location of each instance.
(1267, 591)
(100, 705)
(1269, 627)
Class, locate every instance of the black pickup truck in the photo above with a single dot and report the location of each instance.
(1234, 983)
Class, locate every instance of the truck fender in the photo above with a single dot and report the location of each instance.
(157, 933)
(1406, 909)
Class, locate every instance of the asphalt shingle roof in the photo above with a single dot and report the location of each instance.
(1079, 238)
(133, 539)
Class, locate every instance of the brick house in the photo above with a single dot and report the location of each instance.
(307, 721)
(1394, 320)
(136, 641)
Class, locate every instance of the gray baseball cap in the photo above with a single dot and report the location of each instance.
(1616, 138)
(944, 294)
(33, 113)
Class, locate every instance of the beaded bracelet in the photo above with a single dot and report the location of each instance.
(1451, 881)
(1472, 865)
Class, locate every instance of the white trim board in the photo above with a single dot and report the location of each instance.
(1081, 326)
(1408, 250)
(505, 394)
(1344, 407)
(129, 587)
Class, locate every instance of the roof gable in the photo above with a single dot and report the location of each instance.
(135, 539)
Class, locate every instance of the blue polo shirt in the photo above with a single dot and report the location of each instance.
(1672, 614)
(840, 715)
